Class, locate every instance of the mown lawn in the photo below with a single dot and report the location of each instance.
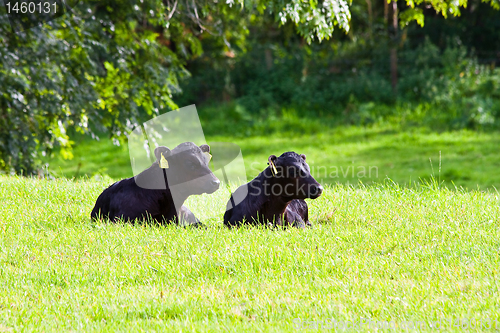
(377, 253)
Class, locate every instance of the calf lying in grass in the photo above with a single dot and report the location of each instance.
(275, 195)
(160, 191)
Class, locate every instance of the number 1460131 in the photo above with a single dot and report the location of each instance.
(31, 7)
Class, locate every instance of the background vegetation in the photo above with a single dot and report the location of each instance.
(446, 72)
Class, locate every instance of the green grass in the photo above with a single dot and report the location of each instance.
(381, 252)
(340, 154)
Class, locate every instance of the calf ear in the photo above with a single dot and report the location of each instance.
(161, 150)
(205, 148)
(272, 164)
(303, 156)
(272, 159)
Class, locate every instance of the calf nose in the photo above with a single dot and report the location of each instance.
(320, 189)
(216, 183)
(316, 190)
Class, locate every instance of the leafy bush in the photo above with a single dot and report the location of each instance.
(441, 89)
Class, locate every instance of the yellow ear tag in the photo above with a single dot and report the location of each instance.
(207, 154)
(273, 168)
(163, 162)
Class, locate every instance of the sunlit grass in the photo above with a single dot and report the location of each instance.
(383, 252)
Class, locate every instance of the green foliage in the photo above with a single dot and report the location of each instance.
(443, 7)
(92, 69)
(314, 19)
(444, 66)
(412, 14)
(381, 252)
(463, 90)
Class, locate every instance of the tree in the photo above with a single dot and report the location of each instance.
(110, 65)
(416, 13)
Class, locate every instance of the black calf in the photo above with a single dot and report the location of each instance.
(276, 195)
(159, 191)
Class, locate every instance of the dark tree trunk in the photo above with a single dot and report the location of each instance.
(386, 11)
(394, 50)
(370, 16)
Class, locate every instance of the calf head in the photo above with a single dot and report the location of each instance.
(291, 178)
(186, 168)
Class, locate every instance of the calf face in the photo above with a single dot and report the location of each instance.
(184, 170)
(292, 177)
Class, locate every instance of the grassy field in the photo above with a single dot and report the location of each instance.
(383, 252)
(337, 154)
(391, 247)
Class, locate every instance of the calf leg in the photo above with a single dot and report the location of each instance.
(297, 214)
(186, 217)
(293, 219)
